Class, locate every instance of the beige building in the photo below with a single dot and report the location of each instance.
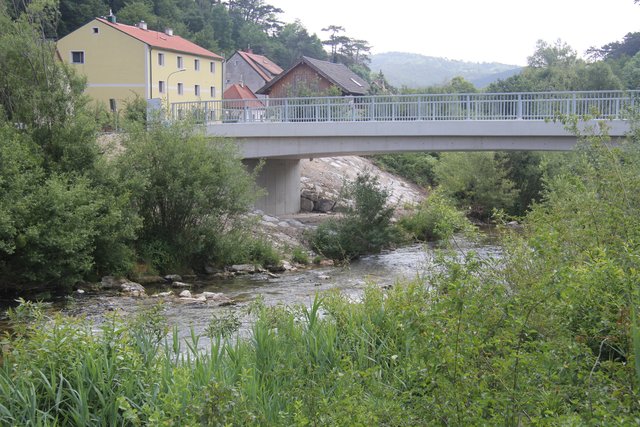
(122, 61)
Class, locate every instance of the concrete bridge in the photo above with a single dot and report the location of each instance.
(283, 131)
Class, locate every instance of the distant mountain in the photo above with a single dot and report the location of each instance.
(414, 70)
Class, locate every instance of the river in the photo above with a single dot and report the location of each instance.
(296, 287)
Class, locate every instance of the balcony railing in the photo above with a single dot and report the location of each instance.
(383, 108)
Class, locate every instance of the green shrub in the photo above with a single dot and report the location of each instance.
(416, 167)
(365, 226)
(477, 181)
(300, 255)
(435, 219)
(189, 190)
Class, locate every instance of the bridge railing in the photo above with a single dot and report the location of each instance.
(471, 106)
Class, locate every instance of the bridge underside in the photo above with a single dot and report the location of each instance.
(327, 139)
(282, 145)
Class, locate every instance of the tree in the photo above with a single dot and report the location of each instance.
(188, 189)
(547, 55)
(293, 42)
(477, 181)
(68, 218)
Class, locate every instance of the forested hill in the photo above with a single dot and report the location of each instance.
(414, 70)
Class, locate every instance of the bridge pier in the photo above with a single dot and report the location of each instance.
(281, 180)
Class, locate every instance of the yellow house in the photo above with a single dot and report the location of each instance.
(122, 61)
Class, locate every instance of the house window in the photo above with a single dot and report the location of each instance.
(196, 64)
(160, 58)
(212, 67)
(180, 63)
(161, 86)
(96, 30)
(180, 89)
(77, 57)
(213, 91)
(197, 90)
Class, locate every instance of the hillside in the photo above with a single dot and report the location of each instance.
(414, 70)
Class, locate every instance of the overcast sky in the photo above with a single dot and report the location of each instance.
(472, 30)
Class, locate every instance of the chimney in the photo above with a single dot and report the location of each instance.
(111, 18)
(142, 25)
(168, 31)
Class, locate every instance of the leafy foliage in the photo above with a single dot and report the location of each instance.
(188, 190)
(364, 228)
(476, 181)
(435, 218)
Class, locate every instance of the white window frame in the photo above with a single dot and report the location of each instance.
(212, 67)
(196, 64)
(161, 86)
(161, 59)
(180, 62)
(80, 52)
(212, 91)
(180, 89)
(196, 89)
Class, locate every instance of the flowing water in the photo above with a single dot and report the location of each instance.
(296, 287)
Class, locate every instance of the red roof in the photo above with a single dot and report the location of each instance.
(260, 64)
(161, 40)
(237, 91)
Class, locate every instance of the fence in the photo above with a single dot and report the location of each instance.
(472, 106)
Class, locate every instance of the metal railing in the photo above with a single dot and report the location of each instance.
(470, 106)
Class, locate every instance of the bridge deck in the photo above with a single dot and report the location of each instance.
(328, 126)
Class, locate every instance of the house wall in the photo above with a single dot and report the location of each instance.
(189, 78)
(238, 70)
(118, 66)
(114, 62)
(300, 80)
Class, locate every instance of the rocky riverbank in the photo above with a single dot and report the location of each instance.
(321, 183)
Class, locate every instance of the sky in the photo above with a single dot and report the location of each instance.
(503, 31)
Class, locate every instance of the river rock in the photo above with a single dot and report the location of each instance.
(111, 282)
(185, 294)
(323, 277)
(324, 205)
(180, 285)
(133, 289)
(218, 297)
(162, 294)
(326, 263)
(150, 280)
(173, 278)
(80, 291)
(306, 205)
(243, 268)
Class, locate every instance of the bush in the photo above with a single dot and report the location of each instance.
(365, 227)
(189, 190)
(477, 182)
(300, 256)
(416, 167)
(435, 219)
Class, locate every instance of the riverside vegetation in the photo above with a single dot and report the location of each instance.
(549, 337)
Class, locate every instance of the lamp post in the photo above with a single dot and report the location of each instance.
(169, 87)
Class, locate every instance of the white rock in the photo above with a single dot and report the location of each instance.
(180, 285)
(185, 294)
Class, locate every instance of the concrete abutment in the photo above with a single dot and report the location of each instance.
(280, 178)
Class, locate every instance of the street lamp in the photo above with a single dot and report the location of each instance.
(169, 87)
